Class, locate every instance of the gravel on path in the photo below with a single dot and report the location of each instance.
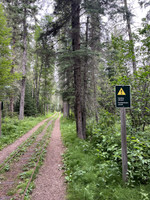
(50, 184)
(9, 149)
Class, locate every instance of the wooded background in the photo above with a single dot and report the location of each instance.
(76, 56)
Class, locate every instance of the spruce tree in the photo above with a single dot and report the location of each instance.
(5, 53)
(6, 78)
(44, 67)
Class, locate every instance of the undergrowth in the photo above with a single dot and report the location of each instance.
(13, 128)
(93, 167)
(29, 169)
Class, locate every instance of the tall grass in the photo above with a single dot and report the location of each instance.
(91, 177)
(12, 128)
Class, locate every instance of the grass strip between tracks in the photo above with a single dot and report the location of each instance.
(23, 147)
(13, 128)
(26, 179)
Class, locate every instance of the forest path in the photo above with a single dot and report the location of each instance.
(10, 148)
(50, 181)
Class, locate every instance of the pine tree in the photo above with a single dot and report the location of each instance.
(6, 78)
(12, 12)
(44, 67)
(27, 9)
(128, 16)
(5, 53)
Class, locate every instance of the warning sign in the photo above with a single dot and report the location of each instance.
(121, 92)
(123, 96)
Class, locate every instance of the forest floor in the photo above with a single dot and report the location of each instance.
(50, 181)
(10, 148)
(15, 175)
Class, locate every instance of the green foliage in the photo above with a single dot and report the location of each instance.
(5, 54)
(107, 140)
(119, 56)
(37, 33)
(25, 175)
(139, 158)
(12, 128)
(30, 106)
(141, 98)
(93, 167)
(144, 32)
(44, 66)
(30, 102)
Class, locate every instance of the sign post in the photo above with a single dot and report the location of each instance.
(124, 144)
(123, 101)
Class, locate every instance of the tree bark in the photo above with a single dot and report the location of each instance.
(77, 67)
(11, 106)
(66, 108)
(36, 81)
(85, 80)
(39, 87)
(95, 35)
(24, 62)
(130, 35)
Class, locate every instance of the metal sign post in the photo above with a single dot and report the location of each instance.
(122, 102)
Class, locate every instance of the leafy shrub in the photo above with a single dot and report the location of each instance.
(93, 167)
(12, 128)
(107, 142)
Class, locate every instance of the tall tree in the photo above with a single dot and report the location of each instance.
(28, 8)
(5, 53)
(6, 78)
(24, 63)
(75, 9)
(11, 8)
(44, 66)
(128, 19)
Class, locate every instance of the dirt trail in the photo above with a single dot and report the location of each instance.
(50, 181)
(10, 180)
(9, 149)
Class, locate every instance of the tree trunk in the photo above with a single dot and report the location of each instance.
(66, 109)
(95, 35)
(85, 80)
(38, 88)
(24, 62)
(36, 85)
(47, 108)
(11, 106)
(130, 35)
(36, 81)
(77, 66)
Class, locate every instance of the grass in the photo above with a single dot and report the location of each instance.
(12, 128)
(92, 178)
(28, 168)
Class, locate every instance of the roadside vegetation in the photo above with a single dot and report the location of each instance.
(93, 166)
(23, 164)
(13, 128)
(70, 60)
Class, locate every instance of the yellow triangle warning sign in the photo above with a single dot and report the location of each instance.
(121, 92)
